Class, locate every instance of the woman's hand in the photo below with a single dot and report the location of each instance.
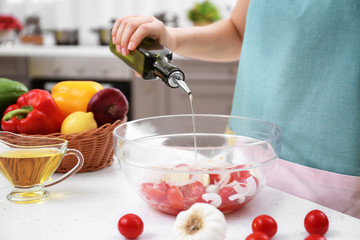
(129, 31)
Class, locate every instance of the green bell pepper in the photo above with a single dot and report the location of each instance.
(10, 91)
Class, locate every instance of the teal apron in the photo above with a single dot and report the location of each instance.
(300, 69)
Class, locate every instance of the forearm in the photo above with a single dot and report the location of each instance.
(219, 41)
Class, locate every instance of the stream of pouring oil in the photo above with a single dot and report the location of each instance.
(193, 123)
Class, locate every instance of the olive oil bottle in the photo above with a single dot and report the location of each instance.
(152, 61)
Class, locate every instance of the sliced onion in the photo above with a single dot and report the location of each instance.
(251, 186)
(239, 189)
(193, 179)
(224, 179)
(212, 198)
(233, 184)
(239, 197)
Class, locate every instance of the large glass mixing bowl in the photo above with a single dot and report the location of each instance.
(225, 162)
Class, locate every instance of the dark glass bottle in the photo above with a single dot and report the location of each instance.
(152, 60)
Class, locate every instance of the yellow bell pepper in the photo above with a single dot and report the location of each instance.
(72, 96)
(78, 122)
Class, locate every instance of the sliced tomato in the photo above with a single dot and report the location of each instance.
(240, 176)
(214, 178)
(192, 193)
(155, 192)
(227, 205)
(183, 165)
(175, 198)
(225, 193)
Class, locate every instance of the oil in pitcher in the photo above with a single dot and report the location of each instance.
(152, 60)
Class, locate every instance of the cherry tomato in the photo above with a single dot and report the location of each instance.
(192, 193)
(175, 197)
(130, 226)
(265, 224)
(155, 192)
(315, 237)
(316, 222)
(258, 236)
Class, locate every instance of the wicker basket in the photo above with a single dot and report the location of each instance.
(95, 145)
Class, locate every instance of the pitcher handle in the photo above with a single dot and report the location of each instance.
(74, 170)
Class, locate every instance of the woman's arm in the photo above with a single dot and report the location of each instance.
(220, 41)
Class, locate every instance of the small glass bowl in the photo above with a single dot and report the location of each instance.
(224, 163)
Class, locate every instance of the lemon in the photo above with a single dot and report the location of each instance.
(78, 122)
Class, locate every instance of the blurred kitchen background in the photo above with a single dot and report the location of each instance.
(43, 42)
(85, 16)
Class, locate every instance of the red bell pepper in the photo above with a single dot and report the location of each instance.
(35, 112)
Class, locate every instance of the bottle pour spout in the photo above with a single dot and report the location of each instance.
(176, 79)
(183, 86)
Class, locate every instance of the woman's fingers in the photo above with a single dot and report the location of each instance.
(128, 32)
(123, 30)
(128, 28)
(139, 34)
(116, 26)
(153, 28)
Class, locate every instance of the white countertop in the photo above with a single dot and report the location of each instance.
(89, 205)
(58, 51)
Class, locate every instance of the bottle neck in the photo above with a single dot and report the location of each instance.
(164, 68)
(170, 74)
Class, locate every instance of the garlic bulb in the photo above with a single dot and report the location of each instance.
(201, 221)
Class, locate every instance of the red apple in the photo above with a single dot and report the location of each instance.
(108, 105)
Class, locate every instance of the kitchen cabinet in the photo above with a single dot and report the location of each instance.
(148, 98)
(101, 68)
(15, 68)
(212, 83)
